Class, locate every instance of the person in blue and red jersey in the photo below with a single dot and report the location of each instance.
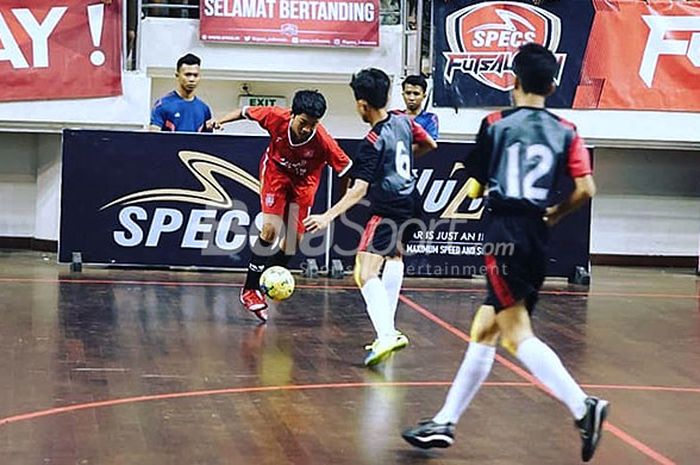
(414, 90)
(383, 171)
(181, 110)
(520, 153)
(290, 172)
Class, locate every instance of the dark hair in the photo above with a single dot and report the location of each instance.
(188, 59)
(415, 80)
(371, 85)
(536, 67)
(310, 102)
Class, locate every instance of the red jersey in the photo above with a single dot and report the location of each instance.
(305, 161)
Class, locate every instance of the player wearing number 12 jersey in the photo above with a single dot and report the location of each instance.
(519, 155)
(382, 172)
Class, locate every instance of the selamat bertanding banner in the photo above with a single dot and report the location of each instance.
(349, 23)
(60, 49)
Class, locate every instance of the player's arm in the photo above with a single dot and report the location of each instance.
(353, 195)
(422, 142)
(584, 190)
(157, 118)
(363, 172)
(336, 156)
(579, 166)
(234, 115)
(478, 162)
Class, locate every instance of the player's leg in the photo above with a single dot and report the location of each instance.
(475, 368)
(589, 412)
(273, 200)
(392, 275)
(251, 297)
(392, 279)
(299, 202)
(379, 240)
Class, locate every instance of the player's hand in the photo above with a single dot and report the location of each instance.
(314, 223)
(551, 217)
(213, 124)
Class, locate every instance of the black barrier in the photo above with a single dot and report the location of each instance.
(475, 42)
(153, 199)
(452, 243)
(134, 198)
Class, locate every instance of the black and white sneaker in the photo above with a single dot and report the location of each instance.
(429, 434)
(591, 426)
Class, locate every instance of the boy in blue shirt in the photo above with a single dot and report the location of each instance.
(414, 89)
(180, 110)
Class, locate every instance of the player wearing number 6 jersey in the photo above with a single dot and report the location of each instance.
(519, 155)
(382, 172)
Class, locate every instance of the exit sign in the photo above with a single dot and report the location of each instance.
(261, 101)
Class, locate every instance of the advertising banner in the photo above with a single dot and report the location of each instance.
(329, 23)
(53, 49)
(155, 199)
(136, 198)
(613, 54)
(644, 56)
(476, 41)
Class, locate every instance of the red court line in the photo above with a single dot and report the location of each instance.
(238, 390)
(301, 387)
(625, 437)
(339, 287)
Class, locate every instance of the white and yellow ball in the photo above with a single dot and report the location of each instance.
(277, 283)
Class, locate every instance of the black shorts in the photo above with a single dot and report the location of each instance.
(514, 272)
(387, 236)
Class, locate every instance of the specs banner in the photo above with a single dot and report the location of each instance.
(613, 54)
(60, 49)
(476, 41)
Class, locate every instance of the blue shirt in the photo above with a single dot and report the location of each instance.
(429, 122)
(173, 113)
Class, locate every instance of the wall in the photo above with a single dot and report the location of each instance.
(648, 202)
(648, 199)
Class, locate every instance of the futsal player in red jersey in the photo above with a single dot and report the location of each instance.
(290, 172)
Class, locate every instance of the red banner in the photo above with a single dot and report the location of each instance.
(643, 56)
(350, 23)
(60, 49)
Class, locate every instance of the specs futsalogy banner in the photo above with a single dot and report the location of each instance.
(155, 199)
(52, 49)
(613, 54)
(319, 23)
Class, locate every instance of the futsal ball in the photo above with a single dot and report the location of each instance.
(277, 283)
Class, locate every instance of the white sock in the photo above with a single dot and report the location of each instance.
(475, 368)
(392, 277)
(548, 369)
(378, 308)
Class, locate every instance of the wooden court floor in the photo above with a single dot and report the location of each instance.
(154, 368)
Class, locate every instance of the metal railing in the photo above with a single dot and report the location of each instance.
(408, 13)
(389, 10)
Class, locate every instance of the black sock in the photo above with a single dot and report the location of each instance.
(280, 258)
(260, 256)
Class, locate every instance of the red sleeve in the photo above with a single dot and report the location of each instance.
(579, 163)
(265, 116)
(335, 156)
(419, 134)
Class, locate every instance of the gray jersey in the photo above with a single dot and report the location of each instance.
(385, 160)
(520, 153)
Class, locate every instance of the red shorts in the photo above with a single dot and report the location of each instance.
(285, 195)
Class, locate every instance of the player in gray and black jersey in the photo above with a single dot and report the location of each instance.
(382, 171)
